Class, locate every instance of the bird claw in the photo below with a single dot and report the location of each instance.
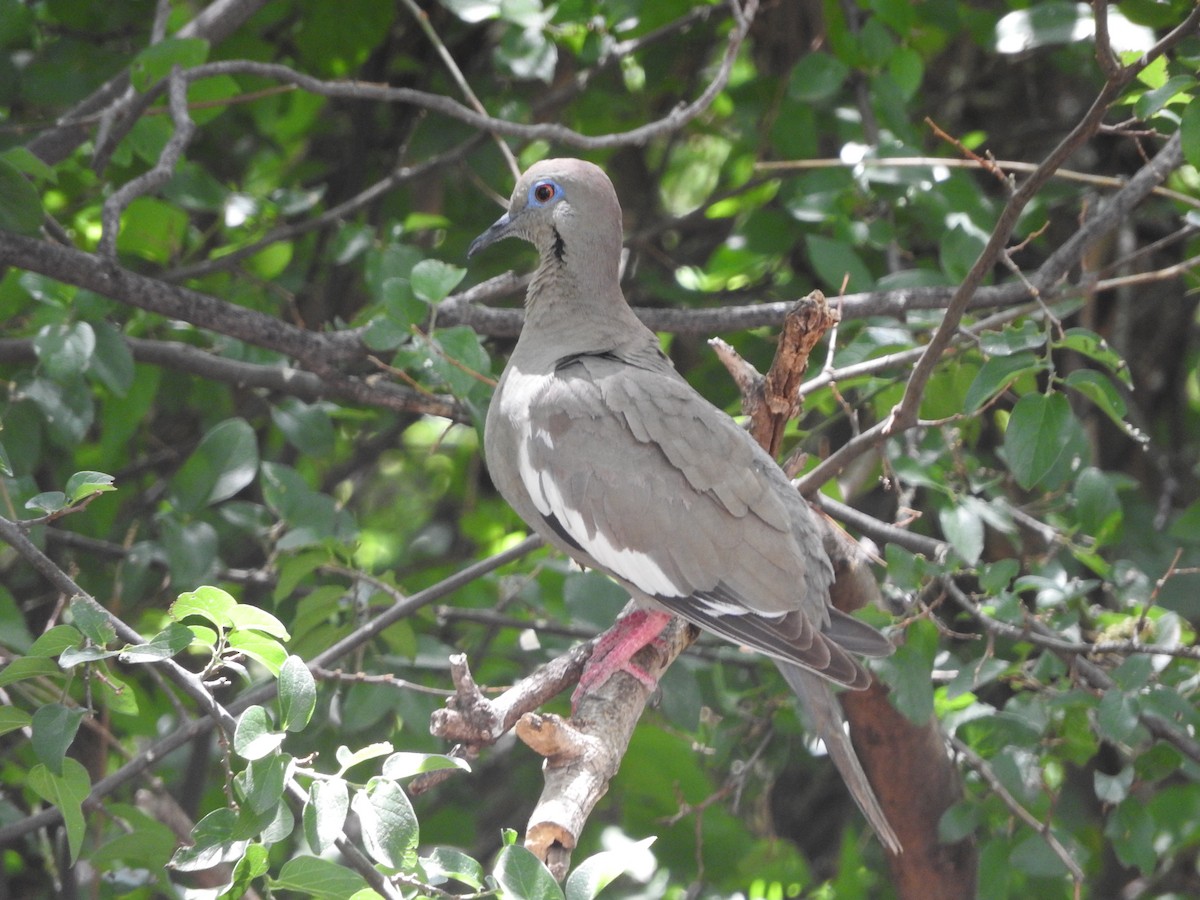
(615, 649)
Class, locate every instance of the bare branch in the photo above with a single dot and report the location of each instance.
(158, 175)
(359, 90)
(217, 21)
(980, 765)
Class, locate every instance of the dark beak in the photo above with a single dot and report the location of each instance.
(499, 230)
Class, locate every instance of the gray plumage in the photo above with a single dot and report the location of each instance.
(606, 451)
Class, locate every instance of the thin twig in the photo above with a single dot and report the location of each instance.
(456, 74)
(980, 765)
(158, 175)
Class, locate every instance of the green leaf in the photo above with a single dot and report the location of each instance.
(68, 409)
(190, 546)
(959, 821)
(1036, 857)
(67, 792)
(84, 484)
(254, 863)
(1033, 439)
(325, 812)
(1132, 834)
(1117, 716)
(297, 694)
(56, 640)
(47, 502)
(406, 765)
(72, 657)
(251, 618)
(975, 675)
(25, 667)
(835, 261)
(262, 782)
(527, 54)
(1029, 335)
(156, 61)
(22, 158)
(259, 647)
(963, 528)
(209, 603)
(522, 876)
(997, 576)
(1087, 343)
(173, 639)
(909, 671)
(1189, 135)
(255, 736)
(1173, 90)
(389, 825)
(462, 345)
(1098, 388)
(151, 228)
(597, 871)
(815, 77)
(404, 309)
(1097, 506)
(225, 461)
(112, 360)
(117, 696)
(307, 426)
(347, 758)
(20, 203)
(320, 878)
(12, 718)
(433, 280)
(93, 621)
(451, 863)
(64, 352)
(214, 842)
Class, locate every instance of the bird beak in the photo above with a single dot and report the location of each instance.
(499, 230)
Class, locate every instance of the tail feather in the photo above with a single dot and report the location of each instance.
(826, 714)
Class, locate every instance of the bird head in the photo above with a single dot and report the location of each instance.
(561, 206)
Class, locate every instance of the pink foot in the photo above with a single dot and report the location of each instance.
(618, 646)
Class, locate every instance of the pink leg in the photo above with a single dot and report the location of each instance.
(618, 646)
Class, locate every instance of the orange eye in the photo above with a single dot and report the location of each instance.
(544, 192)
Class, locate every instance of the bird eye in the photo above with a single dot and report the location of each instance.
(544, 192)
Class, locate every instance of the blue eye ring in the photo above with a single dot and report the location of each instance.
(543, 192)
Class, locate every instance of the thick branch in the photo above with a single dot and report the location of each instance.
(279, 379)
(317, 352)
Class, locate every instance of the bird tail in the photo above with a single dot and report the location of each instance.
(825, 712)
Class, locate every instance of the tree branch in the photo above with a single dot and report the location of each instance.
(158, 175)
(185, 732)
(114, 99)
(676, 119)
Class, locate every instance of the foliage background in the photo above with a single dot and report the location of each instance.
(303, 429)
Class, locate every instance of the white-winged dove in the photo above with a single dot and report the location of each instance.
(608, 453)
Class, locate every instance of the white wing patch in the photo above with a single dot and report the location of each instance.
(634, 566)
(719, 608)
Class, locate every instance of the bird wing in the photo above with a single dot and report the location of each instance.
(644, 479)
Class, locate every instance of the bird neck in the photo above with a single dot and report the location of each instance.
(580, 309)
(573, 287)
